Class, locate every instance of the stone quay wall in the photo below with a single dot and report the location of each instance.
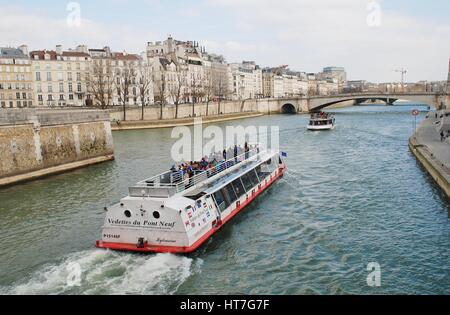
(153, 113)
(36, 143)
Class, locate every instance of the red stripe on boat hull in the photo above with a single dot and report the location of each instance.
(202, 240)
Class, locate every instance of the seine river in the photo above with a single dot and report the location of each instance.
(352, 196)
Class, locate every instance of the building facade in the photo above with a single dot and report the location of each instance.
(16, 82)
(336, 75)
(281, 82)
(60, 77)
(245, 81)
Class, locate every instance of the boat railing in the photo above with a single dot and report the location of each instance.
(176, 178)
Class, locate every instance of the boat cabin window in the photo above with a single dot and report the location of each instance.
(239, 187)
(266, 169)
(250, 180)
(254, 177)
(247, 182)
(229, 193)
(220, 201)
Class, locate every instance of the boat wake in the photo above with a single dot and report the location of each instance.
(106, 272)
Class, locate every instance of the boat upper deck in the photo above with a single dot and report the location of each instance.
(321, 116)
(175, 181)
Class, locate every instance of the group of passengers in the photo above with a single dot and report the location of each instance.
(321, 115)
(213, 164)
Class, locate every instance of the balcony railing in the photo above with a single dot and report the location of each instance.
(175, 180)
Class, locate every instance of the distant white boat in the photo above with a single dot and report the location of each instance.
(321, 122)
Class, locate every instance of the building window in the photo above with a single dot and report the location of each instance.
(24, 96)
(79, 87)
(69, 76)
(70, 88)
(38, 76)
(71, 97)
(78, 76)
(61, 87)
(50, 97)
(40, 98)
(61, 97)
(50, 88)
(49, 76)
(18, 96)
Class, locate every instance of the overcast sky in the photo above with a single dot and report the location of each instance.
(307, 35)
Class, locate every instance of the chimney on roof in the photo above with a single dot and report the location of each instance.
(107, 50)
(24, 49)
(59, 49)
(82, 49)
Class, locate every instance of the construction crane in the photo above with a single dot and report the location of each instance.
(403, 72)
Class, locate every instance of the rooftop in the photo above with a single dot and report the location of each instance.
(8, 52)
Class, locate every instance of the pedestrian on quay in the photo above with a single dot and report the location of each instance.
(442, 136)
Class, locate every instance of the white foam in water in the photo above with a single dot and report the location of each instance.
(106, 272)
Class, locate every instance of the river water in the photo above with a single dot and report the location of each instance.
(352, 196)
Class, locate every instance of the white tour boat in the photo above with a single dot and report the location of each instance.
(321, 121)
(172, 213)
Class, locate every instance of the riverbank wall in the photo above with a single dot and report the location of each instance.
(430, 151)
(170, 123)
(36, 143)
(153, 113)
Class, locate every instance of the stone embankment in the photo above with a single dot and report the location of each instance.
(36, 143)
(432, 151)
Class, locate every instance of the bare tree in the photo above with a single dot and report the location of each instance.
(196, 92)
(100, 83)
(124, 81)
(178, 88)
(221, 91)
(209, 88)
(160, 82)
(144, 84)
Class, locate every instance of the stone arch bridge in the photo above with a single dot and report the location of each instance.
(317, 103)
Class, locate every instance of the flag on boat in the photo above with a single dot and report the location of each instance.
(284, 154)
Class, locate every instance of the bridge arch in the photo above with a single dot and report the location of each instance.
(288, 108)
(389, 101)
(321, 102)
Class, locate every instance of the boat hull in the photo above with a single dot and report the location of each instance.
(185, 250)
(321, 128)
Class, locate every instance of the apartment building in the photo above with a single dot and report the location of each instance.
(16, 88)
(60, 77)
(245, 81)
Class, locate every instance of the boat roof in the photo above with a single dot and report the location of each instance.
(320, 119)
